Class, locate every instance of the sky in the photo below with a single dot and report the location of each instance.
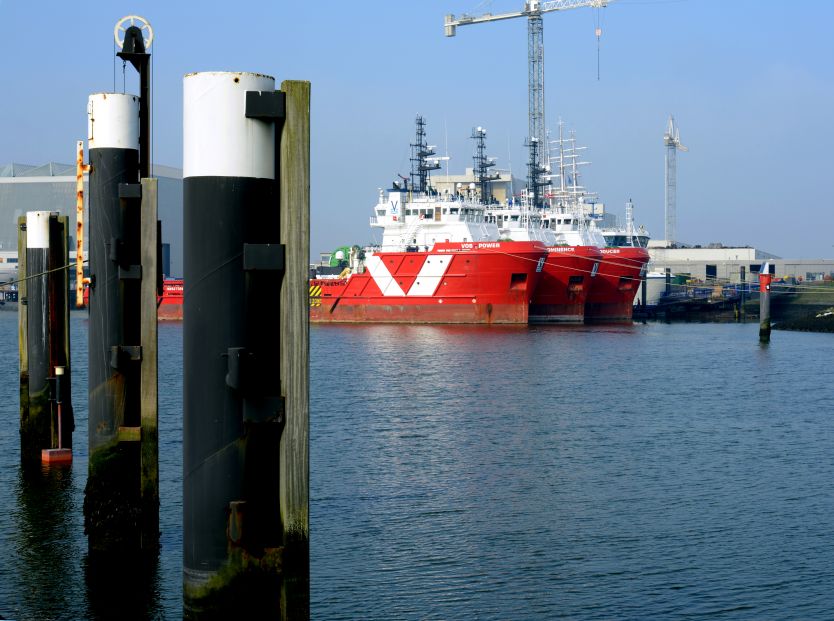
(749, 82)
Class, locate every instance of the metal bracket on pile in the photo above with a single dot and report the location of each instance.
(115, 253)
(240, 373)
(263, 257)
(237, 367)
(266, 105)
(130, 191)
(120, 354)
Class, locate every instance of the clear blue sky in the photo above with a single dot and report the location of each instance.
(751, 84)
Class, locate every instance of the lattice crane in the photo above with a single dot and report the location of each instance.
(672, 142)
(533, 11)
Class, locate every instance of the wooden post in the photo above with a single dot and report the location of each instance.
(26, 450)
(63, 423)
(295, 235)
(148, 387)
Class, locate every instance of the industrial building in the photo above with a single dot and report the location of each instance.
(52, 187)
(730, 264)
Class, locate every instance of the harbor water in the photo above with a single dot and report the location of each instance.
(658, 471)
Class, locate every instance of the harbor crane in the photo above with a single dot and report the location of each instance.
(533, 11)
(672, 141)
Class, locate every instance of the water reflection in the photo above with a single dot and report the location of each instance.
(44, 541)
(122, 586)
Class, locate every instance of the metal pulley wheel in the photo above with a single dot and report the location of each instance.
(133, 20)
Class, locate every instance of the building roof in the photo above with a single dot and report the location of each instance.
(51, 169)
(55, 169)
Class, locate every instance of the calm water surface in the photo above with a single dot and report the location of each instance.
(646, 472)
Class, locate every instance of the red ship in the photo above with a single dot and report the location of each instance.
(452, 282)
(568, 278)
(169, 304)
(617, 282)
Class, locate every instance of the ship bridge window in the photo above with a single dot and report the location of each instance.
(453, 210)
(568, 221)
(380, 212)
(514, 218)
(409, 212)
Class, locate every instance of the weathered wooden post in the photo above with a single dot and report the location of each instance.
(764, 303)
(295, 350)
(245, 352)
(46, 418)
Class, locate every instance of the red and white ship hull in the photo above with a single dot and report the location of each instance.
(616, 283)
(169, 304)
(453, 282)
(567, 279)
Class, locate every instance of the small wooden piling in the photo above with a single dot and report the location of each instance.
(44, 339)
(149, 438)
(28, 437)
(295, 350)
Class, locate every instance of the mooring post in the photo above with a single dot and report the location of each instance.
(295, 350)
(235, 346)
(43, 318)
(743, 281)
(112, 503)
(643, 292)
(765, 280)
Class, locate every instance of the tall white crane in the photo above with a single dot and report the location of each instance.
(672, 141)
(533, 10)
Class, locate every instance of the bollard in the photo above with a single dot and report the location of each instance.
(764, 303)
(234, 412)
(43, 320)
(111, 498)
(742, 313)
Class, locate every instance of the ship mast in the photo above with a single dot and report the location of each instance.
(482, 164)
(421, 160)
(535, 170)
